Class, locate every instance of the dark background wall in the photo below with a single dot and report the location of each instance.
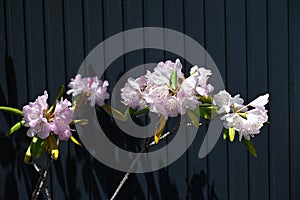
(255, 44)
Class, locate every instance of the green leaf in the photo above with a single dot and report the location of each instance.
(58, 97)
(205, 99)
(114, 112)
(79, 121)
(249, 145)
(38, 146)
(159, 129)
(173, 80)
(73, 139)
(225, 134)
(15, 127)
(231, 134)
(11, 110)
(139, 112)
(206, 111)
(193, 117)
(61, 92)
(52, 147)
(27, 156)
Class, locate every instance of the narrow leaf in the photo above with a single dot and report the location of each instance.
(15, 127)
(79, 121)
(58, 97)
(249, 145)
(193, 117)
(114, 112)
(11, 110)
(173, 80)
(205, 99)
(52, 147)
(38, 146)
(206, 111)
(231, 134)
(139, 112)
(225, 134)
(159, 129)
(27, 156)
(73, 139)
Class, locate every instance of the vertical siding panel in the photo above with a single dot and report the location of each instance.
(17, 93)
(177, 171)
(74, 51)
(278, 72)
(113, 24)
(294, 98)
(94, 35)
(155, 180)
(35, 48)
(257, 85)
(236, 84)
(194, 17)
(16, 52)
(55, 54)
(8, 181)
(294, 106)
(215, 45)
(133, 18)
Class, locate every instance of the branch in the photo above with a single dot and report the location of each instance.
(42, 180)
(143, 150)
(134, 162)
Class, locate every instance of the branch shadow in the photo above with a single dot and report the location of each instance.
(197, 186)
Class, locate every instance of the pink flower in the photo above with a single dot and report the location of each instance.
(34, 115)
(132, 93)
(163, 71)
(202, 75)
(63, 116)
(78, 85)
(98, 91)
(94, 89)
(226, 103)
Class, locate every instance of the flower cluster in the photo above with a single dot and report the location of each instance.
(43, 121)
(166, 91)
(91, 87)
(238, 117)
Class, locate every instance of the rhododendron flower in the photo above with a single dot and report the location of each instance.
(202, 75)
(35, 117)
(78, 85)
(166, 91)
(226, 103)
(63, 116)
(91, 87)
(98, 91)
(132, 93)
(163, 71)
(41, 122)
(246, 122)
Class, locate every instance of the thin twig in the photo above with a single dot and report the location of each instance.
(42, 180)
(142, 151)
(135, 160)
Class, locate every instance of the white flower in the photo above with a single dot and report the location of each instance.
(78, 85)
(202, 75)
(260, 101)
(163, 71)
(252, 120)
(233, 120)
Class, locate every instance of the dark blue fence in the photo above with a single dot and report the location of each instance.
(255, 44)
